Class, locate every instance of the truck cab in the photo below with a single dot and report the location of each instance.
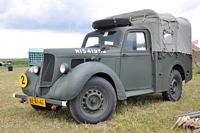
(129, 54)
(126, 55)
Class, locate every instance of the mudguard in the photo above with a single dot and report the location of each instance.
(179, 64)
(32, 83)
(69, 86)
(187, 73)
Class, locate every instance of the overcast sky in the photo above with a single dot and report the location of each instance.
(28, 24)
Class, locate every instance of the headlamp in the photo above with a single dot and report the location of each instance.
(36, 69)
(64, 68)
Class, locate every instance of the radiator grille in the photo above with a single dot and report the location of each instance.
(47, 70)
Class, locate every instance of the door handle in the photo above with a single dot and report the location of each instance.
(124, 55)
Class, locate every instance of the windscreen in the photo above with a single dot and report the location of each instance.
(95, 39)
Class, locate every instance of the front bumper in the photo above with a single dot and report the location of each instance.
(49, 101)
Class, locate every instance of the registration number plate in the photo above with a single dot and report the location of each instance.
(37, 101)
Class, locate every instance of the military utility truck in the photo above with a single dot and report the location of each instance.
(126, 55)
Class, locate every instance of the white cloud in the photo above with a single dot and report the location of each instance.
(193, 17)
(74, 16)
(46, 15)
(63, 23)
(16, 43)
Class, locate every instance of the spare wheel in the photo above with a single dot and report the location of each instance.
(110, 23)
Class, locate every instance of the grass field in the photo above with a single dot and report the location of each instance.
(17, 62)
(143, 114)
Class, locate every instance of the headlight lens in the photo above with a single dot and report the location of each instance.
(36, 69)
(64, 68)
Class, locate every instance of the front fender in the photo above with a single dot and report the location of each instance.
(70, 85)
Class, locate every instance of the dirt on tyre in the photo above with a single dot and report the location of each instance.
(175, 87)
(95, 103)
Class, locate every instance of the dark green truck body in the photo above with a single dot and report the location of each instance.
(135, 64)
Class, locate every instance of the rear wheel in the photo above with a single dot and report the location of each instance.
(175, 87)
(95, 103)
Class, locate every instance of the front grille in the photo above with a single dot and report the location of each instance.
(47, 70)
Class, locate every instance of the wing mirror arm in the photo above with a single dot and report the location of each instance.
(102, 48)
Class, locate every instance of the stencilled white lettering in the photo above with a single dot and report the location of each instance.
(84, 51)
(88, 51)
(95, 51)
(77, 50)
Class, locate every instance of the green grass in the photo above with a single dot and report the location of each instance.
(143, 114)
(17, 62)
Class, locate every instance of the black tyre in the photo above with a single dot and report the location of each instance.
(175, 87)
(110, 23)
(95, 103)
(47, 108)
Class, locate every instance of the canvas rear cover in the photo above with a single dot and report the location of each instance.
(168, 33)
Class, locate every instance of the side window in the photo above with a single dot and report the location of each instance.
(135, 41)
(167, 36)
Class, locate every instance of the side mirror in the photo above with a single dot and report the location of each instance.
(102, 48)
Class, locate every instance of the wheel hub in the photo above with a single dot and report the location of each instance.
(92, 100)
(174, 85)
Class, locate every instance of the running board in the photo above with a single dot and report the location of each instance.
(139, 92)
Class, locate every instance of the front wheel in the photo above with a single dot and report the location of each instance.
(95, 103)
(175, 87)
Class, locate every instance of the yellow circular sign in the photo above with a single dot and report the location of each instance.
(23, 80)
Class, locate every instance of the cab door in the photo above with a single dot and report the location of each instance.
(136, 61)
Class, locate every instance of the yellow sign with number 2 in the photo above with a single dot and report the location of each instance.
(23, 80)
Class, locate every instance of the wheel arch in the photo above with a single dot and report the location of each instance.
(68, 87)
(108, 78)
(177, 65)
(179, 68)
(115, 82)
